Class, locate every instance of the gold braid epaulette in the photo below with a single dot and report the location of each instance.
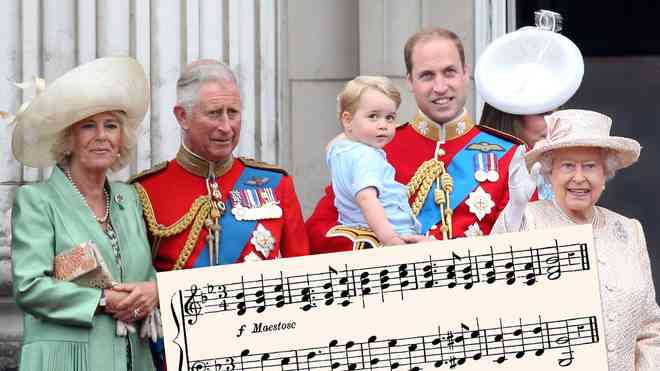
(421, 183)
(196, 215)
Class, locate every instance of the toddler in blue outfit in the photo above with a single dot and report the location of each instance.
(366, 194)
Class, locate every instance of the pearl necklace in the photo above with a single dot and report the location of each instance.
(105, 217)
(594, 218)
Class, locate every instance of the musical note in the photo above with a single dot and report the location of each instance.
(345, 293)
(519, 333)
(309, 357)
(307, 296)
(530, 277)
(261, 297)
(554, 264)
(428, 274)
(384, 285)
(330, 294)
(566, 341)
(511, 267)
(391, 344)
(451, 271)
(491, 275)
(373, 361)
(241, 306)
(403, 278)
(333, 364)
(264, 358)
(349, 345)
(468, 275)
(538, 330)
(499, 338)
(279, 291)
(364, 288)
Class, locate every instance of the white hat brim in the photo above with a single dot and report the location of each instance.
(627, 150)
(103, 85)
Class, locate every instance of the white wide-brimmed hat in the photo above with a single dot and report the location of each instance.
(529, 71)
(582, 128)
(105, 84)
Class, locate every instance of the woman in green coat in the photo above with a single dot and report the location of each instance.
(85, 124)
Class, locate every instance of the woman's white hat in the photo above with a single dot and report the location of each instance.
(582, 128)
(105, 84)
(529, 71)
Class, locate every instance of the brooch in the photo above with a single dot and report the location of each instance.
(620, 232)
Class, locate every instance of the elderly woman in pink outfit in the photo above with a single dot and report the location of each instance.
(577, 157)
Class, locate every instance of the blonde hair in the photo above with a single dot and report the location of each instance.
(348, 99)
(61, 149)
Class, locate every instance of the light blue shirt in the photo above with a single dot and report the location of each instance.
(355, 166)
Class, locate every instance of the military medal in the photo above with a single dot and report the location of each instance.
(255, 204)
(493, 175)
(480, 203)
(479, 167)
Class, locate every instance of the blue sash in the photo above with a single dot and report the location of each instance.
(235, 234)
(461, 170)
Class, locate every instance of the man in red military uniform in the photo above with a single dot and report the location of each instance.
(458, 173)
(206, 207)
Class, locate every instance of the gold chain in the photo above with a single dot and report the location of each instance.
(421, 182)
(159, 230)
(196, 215)
(192, 237)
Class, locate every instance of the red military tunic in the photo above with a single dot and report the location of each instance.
(414, 144)
(174, 197)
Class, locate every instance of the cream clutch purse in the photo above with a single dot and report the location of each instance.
(83, 264)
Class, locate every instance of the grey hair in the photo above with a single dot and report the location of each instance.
(610, 163)
(61, 149)
(197, 73)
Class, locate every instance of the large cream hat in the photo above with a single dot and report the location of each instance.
(582, 128)
(529, 71)
(105, 84)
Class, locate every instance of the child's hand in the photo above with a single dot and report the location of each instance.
(393, 241)
(416, 238)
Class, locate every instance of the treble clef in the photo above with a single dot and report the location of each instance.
(192, 307)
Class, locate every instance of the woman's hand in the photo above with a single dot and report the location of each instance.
(141, 298)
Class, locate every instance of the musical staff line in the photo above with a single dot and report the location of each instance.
(347, 285)
(452, 348)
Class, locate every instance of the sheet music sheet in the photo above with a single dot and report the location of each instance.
(523, 301)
